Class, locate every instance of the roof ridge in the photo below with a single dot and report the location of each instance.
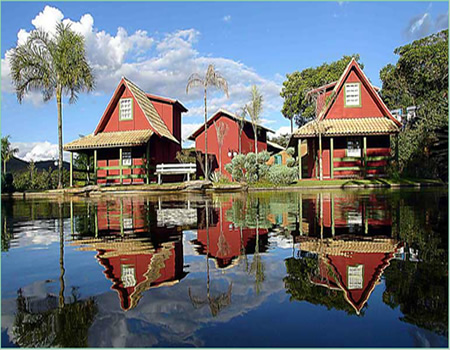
(149, 110)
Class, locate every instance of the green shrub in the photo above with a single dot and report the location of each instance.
(282, 175)
(290, 151)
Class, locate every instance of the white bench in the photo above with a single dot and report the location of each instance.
(175, 169)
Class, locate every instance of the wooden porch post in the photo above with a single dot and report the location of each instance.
(71, 217)
(95, 166)
(120, 164)
(333, 231)
(331, 157)
(299, 146)
(71, 169)
(396, 152)
(148, 162)
(364, 156)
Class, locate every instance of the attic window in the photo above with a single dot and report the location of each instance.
(352, 95)
(355, 277)
(126, 109)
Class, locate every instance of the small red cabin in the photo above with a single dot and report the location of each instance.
(136, 132)
(230, 146)
(355, 127)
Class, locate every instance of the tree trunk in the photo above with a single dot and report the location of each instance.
(292, 125)
(255, 130)
(206, 140)
(320, 157)
(60, 137)
(4, 166)
(207, 248)
(240, 140)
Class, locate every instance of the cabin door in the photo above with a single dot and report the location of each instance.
(326, 157)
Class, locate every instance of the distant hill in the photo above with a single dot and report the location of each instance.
(19, 165)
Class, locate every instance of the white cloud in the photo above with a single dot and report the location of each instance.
(159, 63)
(226, 18)
(37, 151)
(419, 25)
(423, 24)
(188, 129)
(283, 131)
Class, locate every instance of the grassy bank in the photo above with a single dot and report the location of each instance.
(349, 183)
(227, 186)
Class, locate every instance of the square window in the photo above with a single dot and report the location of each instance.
(126, 157)
(128, 276)
(126, 109)
(353, 147)
(352, 95)
(355, 277)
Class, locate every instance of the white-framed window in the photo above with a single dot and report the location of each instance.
(128, 276)
(353, 147)
(127, 223)
(355, 277)
(126, 109)
(126, 157)
(352, 94)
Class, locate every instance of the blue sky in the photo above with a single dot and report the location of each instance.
(158, 45)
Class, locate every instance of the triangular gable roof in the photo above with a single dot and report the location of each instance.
(216, 115)
(370, 88)
(168, 100)
(144, 103)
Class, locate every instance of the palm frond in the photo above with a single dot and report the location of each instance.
(255, 106)
(193, 81)
(214, 78)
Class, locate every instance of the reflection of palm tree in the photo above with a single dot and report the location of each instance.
(257, 266)
(222, 300)
(222, 244)
(61, 257)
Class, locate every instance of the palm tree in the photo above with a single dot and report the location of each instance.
(7, 151)
(254, 110)
(241, 114)
(212, 78)
(57, 66)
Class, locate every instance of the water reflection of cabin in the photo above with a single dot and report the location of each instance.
(136, 132)
(135, 252)
(352, 239)
(355, 127)
(330, 215)
(227, 241)
(352, 266)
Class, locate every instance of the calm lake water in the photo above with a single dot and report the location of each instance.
(311, 269)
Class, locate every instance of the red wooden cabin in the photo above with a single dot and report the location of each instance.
(353, 266)
(230, 146)
(225, 242)
(355, 126)
(136, 132)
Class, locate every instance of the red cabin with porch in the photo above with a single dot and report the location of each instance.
(136, 132)
(355, 128)
(230, 146)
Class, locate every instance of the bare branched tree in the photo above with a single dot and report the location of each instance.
(319, 98)
(241, 114)
(221, 131)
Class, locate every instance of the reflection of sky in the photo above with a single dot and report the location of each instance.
(165, 315)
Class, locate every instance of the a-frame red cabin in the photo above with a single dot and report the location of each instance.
(355, 127)
(136, 132)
